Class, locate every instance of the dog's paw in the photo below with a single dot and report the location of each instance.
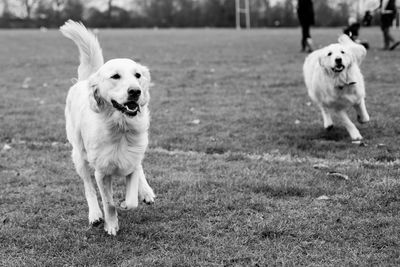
(147, 196)
(96, 223)
(356, 139)
(125, 206)
(362, 120)
(111, 228)
(329, 128)
(95, 218)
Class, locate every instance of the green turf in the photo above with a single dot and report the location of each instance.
(240, 188)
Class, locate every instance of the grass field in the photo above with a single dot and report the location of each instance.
(239, 188)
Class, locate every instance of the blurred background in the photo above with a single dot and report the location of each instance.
(175, 13)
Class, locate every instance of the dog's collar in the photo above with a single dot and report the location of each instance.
(341, 87)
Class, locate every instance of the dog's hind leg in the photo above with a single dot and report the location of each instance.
(350, 127)
(326, 116)
(110, 211)
(362, 114)
(82, 168)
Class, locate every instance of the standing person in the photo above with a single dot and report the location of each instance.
(305, 13)
(367, 19)
(388, 13)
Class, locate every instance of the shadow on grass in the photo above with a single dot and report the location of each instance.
(282, 191)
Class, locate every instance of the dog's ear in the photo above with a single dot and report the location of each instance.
(321, 59)
(146, 77)
(96, 102)
(358, 51)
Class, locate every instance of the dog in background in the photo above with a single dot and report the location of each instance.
(334, 82)
(107, 121)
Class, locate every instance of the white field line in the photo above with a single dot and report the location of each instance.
(278, 157)
(267, 157)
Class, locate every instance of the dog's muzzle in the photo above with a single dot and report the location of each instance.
(130, 108)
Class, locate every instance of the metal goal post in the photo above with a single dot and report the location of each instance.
(242, 10)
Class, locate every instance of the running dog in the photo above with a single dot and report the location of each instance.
(107, 121)
(334, 82)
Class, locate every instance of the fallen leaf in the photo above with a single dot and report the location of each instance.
(323, 197)
(195, 122)
(6, 147)
(338, 175)
(26, 82)
(321, 166)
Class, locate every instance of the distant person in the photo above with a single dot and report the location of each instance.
(388, 14)
(305, 13)
(352, 30)
(367, 19)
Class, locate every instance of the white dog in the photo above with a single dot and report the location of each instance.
(334, 82)
(107, 120)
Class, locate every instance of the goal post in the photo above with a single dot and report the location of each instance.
(242, 10)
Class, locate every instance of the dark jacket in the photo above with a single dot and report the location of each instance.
(387, 18)
(352, 31)
(305, 12)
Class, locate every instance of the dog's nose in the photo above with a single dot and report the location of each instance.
(338, 60)
(134, 93)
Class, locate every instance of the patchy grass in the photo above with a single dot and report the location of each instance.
(245, 192)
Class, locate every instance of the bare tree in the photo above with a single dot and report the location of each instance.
(6, 10)
(58, 6)
(29, 5)
(109, 11)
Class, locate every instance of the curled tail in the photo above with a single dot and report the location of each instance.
(90, 54)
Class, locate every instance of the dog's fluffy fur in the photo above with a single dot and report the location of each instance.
(334, 82)
(107, 121)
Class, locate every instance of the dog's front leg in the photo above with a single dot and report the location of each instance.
(145, 192)
(326, 116)
(350, 127)
(131, 196)
(110, 212)
(362, 114)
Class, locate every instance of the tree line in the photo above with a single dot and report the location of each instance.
(164, 13)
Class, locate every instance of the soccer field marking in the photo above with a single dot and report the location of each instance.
(276, 157)
(237, 156)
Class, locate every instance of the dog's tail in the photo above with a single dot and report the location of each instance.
(90, 54)
(358, 50)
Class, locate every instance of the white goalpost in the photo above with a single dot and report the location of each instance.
(242, 10)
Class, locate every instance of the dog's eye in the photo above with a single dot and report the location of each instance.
(342, 52)
(329, 54)
(138, 75)
(115, 76)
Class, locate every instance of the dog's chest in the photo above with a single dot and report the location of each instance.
(339, 96)
(120, 156)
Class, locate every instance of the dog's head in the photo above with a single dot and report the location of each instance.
(336, 58)
(120, 83)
